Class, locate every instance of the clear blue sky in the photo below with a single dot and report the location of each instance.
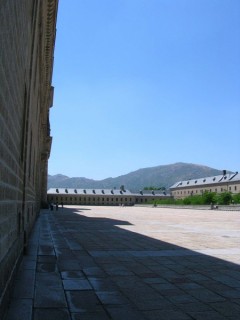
(141, 83)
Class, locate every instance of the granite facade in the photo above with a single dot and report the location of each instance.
(27, 37)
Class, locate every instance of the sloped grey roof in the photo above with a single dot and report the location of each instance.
(88, 191)
(108, 192)
(207, 180)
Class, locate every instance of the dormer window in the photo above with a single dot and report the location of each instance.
(75, 190)
(66, 190)
(57, 190)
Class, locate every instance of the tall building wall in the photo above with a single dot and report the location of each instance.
(27, 36)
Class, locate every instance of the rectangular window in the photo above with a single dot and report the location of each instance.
(235, 188)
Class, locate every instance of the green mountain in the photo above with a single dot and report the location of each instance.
(159, 176)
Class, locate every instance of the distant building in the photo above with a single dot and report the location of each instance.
(227, 182)
(102, 197)
(27, 38)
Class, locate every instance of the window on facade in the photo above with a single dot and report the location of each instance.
(107, 199)
(215, 190)
(235, 188)
(125, 199)
(116, 199)
(230, 188)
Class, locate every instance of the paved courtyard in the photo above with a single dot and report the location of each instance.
(99, 263)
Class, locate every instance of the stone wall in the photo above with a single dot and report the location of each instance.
(27, 36)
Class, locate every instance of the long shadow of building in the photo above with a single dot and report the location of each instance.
(103, 271)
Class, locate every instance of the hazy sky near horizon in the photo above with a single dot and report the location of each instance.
(141, 83)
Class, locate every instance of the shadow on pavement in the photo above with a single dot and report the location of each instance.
(92, 268)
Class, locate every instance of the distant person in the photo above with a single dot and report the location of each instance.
(56, 206)
(51, 206)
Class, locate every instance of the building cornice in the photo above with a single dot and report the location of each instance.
(51, 7)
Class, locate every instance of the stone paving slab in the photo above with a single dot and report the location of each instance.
(99, 263)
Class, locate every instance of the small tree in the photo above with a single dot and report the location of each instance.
(209, 197)
(224, 198)
(236, 198)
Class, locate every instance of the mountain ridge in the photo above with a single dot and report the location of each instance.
(157, 176)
